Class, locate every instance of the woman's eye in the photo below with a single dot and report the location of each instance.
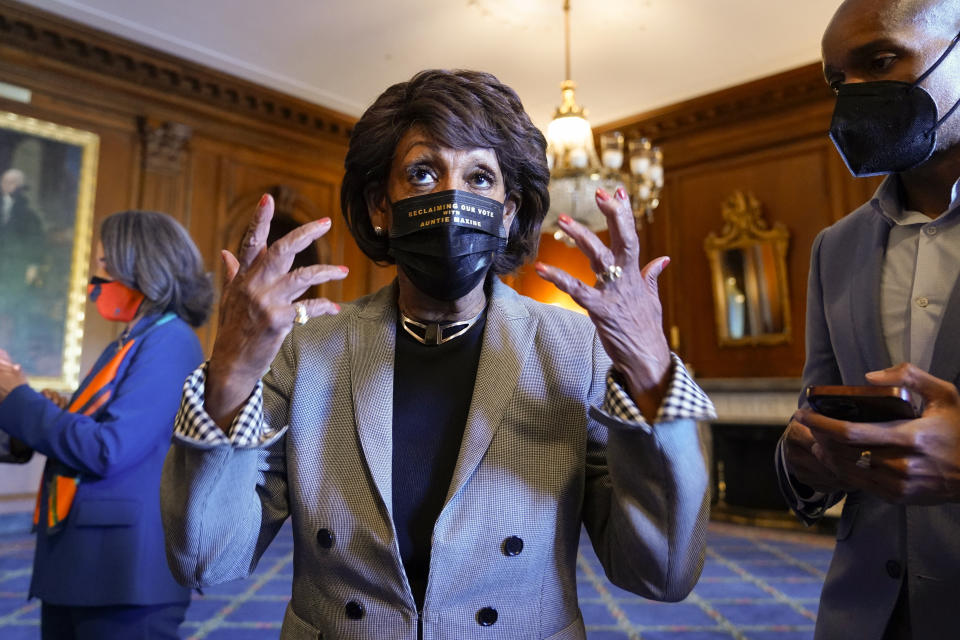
(420, 175)
(482, 179)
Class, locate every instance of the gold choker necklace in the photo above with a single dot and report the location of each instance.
(436, 333)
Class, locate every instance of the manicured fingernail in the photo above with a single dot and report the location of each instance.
(621, 193)
(344, 268)
(337, 307)
(603, 195)
(324, 222)
(540, 267)
(264, 199)
(565, 219)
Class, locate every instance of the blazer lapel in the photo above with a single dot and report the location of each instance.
(864, 301)
(946, 350)
(507, 340)
(372, 351)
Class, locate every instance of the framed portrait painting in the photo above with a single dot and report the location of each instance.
(47, 184)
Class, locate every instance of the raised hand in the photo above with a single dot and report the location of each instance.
(624, 304)
(257, 308)
(11, 375)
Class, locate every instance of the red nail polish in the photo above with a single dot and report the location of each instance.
(603, 195)
(264, 199)
(344, 268)
(324, 222)
(621, 193)
(565, 219)
(336, 306)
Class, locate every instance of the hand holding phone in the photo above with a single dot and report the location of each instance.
(868, 403)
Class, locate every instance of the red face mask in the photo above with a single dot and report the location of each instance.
(115, 301)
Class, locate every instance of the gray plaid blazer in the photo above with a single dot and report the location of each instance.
(538, 459)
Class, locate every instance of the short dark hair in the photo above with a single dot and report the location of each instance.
(461, 110)
(152, 253)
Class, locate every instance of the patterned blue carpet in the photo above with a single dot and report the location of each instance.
(756, 585)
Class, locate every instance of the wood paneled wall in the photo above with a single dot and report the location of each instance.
(204, 146)
(767, 137)
(183, 139)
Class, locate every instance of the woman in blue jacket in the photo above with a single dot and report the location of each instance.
(100, 568)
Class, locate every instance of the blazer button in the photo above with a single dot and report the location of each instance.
(354, 610)
(486, 616)
(894, 570)
(512, 546)
(325, 538)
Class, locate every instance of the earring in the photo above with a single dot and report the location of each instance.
(378, 230)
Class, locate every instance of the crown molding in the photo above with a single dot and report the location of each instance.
(783, 91)
(148, 72)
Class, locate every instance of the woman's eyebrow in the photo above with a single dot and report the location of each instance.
(432, 146)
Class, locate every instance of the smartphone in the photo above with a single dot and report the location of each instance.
(863, 403)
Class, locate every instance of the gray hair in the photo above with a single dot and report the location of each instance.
(152, 253)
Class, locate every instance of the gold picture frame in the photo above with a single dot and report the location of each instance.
(48, 176)
(748, 265)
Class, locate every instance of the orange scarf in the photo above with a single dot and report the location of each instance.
(61, 489)
(62, 485)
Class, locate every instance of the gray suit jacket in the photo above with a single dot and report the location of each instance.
(535, 462)
(876, 540)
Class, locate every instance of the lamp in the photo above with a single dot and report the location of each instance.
(576, 171)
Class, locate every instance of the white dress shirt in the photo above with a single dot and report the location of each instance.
(919, 271)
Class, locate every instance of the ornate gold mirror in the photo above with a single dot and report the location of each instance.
(748, 262)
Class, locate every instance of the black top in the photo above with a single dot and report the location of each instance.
(432, 389)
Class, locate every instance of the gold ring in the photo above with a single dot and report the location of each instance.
(865, 459)
(610, 273)
(302, 316)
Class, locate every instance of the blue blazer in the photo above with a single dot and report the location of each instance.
(876, 540)
(110, 551)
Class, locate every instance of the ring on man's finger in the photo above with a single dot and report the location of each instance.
(302, 316)
(865, 460)
(610, 273)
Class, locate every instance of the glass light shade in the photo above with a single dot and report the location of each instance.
(571, 142)
(566, 132)
(612, 159)
(641, 156)
(577, 158)
(639, 165)
(611, 150)
(656, 175)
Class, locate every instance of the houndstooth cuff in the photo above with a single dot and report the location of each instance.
(684, 400)
(195, 426)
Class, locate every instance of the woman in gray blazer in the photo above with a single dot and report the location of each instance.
(439, 443)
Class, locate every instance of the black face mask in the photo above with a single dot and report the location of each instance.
(887, 126)
(445, 242)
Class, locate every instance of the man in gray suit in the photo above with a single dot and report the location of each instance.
(883, 290)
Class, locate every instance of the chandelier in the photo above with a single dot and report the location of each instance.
(576, 170)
